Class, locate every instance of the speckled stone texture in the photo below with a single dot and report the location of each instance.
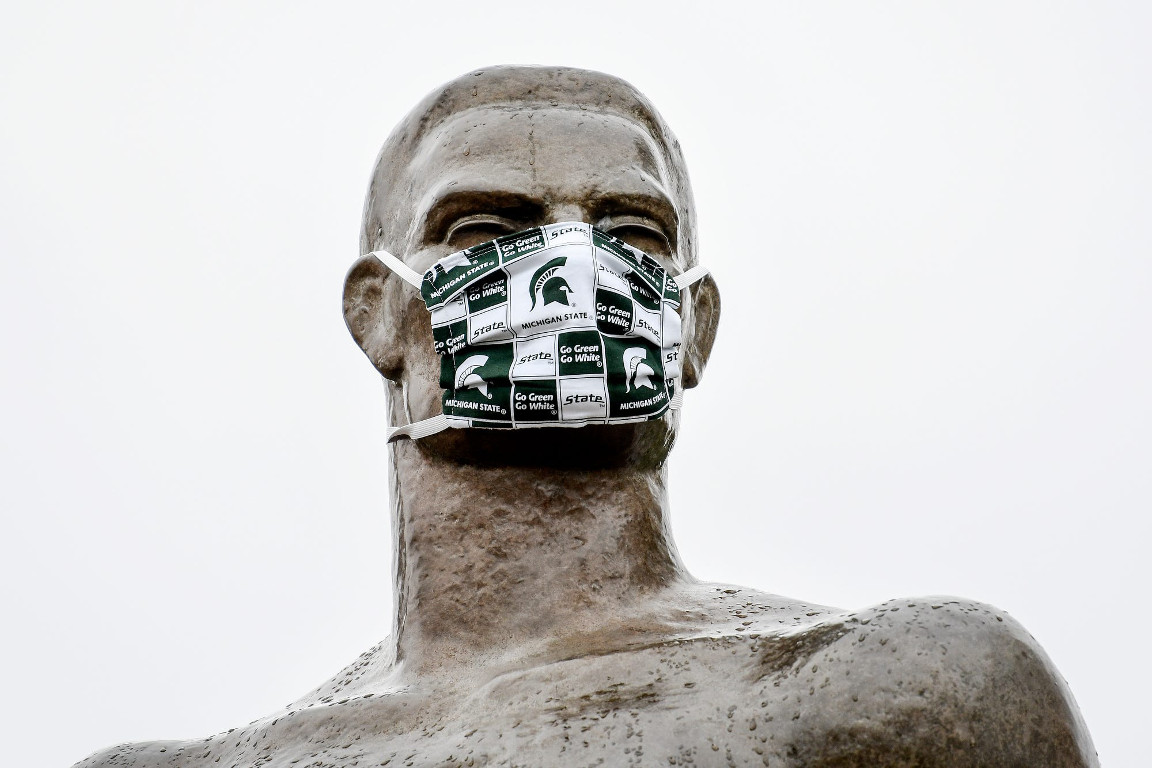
(543, 617)
(909, 683)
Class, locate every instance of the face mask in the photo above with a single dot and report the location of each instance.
(557, 326)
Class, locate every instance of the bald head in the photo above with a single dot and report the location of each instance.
(401, 178)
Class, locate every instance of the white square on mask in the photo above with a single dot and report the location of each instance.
(584, 398)
(535, 358)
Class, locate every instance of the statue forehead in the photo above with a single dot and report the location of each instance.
(552, 150)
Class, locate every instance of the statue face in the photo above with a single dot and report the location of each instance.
(489, 172)
(493, 171)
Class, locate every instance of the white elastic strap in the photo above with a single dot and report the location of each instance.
(685, 279)
(419, 429)
(409, 275)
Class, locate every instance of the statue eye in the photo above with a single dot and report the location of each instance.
(474, 230)
(640, 233)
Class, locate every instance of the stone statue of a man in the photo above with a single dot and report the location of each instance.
(543, 617)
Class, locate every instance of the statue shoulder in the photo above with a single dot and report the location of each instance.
(260, 739)
(145, 754)
(371, 671)
(931, 676)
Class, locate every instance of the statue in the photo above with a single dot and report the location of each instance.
(543, 616)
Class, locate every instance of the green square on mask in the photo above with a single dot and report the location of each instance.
(488, 292)
(636, 384)
(536, 401)
(581, 352)
(613, 313)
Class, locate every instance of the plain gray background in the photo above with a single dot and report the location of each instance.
(929, 224)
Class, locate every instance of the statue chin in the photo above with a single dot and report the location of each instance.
(597, 446)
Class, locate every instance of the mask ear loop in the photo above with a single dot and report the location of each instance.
(406, 273)
(416, 429)
(683, 280)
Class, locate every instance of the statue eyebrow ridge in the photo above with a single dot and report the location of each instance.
(456, 203)
(651, 204)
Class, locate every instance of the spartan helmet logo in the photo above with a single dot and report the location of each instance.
(466, 375)
(548, 286)
(638, 371)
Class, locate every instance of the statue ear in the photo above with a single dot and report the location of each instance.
(705, 321)
(365, 301)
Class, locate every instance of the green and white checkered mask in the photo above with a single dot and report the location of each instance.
(557, 326)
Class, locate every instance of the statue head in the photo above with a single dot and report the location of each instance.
(497, 151)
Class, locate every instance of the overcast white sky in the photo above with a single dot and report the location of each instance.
(929, 222)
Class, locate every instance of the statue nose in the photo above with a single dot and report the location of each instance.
(568, 212)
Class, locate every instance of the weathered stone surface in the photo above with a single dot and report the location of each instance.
(742, 678)
(543, 616)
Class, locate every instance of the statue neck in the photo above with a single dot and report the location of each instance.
(490, 560)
